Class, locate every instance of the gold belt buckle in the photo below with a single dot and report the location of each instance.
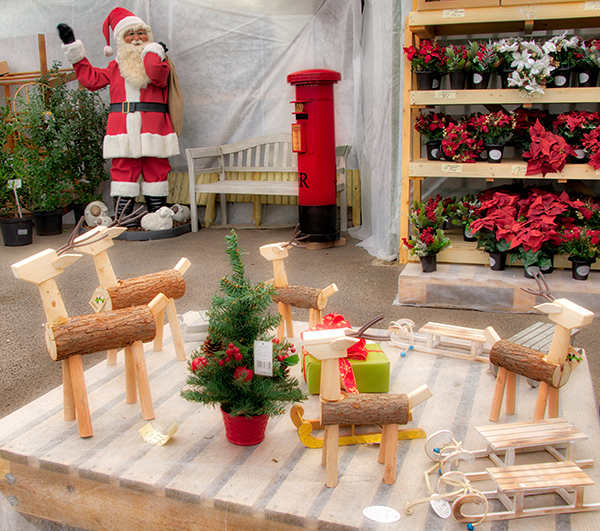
(124, 109)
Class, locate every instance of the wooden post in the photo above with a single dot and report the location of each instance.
(275, 253)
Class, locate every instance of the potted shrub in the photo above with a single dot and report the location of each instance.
(482, 61)
(426, 244)
(222, 371)
(572, 126)
(547, 152)
(456, 63)
(428, 62)
(495, 129)
(432, 127)
(583, 247)
(459, 144)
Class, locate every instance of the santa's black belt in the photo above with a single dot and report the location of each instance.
(141, 106)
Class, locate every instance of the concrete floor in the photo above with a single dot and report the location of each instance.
(367, 287)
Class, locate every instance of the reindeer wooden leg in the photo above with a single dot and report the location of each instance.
(511, 392)
(130, 385)
(281, 327)
(68, 400)
(330, 449)
(287, 320)
(314, 317)
(390, 435)
(175, 330)
(553, 396)
(141, 372)
(80, 396)
(498, 394)
(111, 357)
(160, 325)
(542, 399)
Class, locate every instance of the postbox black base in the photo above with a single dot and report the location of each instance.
(319, 222)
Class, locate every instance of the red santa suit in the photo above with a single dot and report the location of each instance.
(138, 142)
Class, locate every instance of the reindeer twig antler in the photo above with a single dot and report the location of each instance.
(543, 290)
(361, 332)
(121, 220)
(295, 239)
(86, 239)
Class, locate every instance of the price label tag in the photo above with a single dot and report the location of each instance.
(529, 95)
(592, 6)
(445, 95)
(441, 507)
(380, 513)
(263, 358)
(518, 169)
(158, 438)
(13, 184)
(453, 13)
(451, 168)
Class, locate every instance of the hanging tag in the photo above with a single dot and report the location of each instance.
(441, 507)
(263, 358)
(382, 514)
(152, 436)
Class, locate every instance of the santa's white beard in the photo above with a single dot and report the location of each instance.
(129, 57)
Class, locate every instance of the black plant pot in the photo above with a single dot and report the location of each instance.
(17, 231)
(504, 75)
(78, 211)
(428, 80)
(48, 222)
(579, 156)
(580, 269)
(457, 79)
(468, 234)
(561, 78)
(480, 80)
(587, 77)
(429, 263)
(528, 272)
(434, 150)
(495, 153)
(497, 261)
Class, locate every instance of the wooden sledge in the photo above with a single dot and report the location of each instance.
(307, 426)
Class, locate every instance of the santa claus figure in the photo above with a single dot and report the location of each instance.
(139, 137)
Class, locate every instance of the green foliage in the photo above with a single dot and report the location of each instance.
(238, 316)
(58, 142)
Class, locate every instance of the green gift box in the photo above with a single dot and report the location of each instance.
(372, 375)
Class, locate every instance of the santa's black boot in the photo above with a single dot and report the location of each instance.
(124, 206)
(154, 202)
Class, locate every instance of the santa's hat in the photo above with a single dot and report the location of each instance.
(119, 19)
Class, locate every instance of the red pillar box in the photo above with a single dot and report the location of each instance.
(313, 138)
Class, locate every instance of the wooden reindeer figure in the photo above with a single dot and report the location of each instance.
(113, 294)
(68, 338)
(289, 295)
(552, 370)
(388, 410)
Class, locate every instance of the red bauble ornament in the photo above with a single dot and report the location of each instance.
(198, 363)
(242, 373)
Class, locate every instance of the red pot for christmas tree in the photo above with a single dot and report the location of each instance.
(245, 431)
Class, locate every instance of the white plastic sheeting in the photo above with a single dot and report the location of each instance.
(233, 58)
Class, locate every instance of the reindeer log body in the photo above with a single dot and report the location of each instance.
(141, 290)
(86, 334)
(301, 297)
(526, 362)
(366, 409)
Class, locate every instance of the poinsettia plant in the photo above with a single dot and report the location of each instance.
(428, 56)
(581, 243)
(433, 125)
(459, 144)
(525, 117)
(564, 50)
(591, 143)
(431, 240)
(495, 127)
(589, 56)
(497, 215)
(573, 125)
(547, 153)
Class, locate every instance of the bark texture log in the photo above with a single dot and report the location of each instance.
(298, 297)
(141, 290)
(364, 409)
(526, 362)
(86, 334)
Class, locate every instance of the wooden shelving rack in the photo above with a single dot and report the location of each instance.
(509, 20)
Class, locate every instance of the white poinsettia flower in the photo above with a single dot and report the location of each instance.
(549, 47)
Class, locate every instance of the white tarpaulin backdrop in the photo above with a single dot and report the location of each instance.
(233, 58)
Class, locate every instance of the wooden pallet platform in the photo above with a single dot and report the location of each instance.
(477, 287)
(199, 481)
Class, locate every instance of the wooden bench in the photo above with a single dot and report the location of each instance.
(434, 333)
(243, 168)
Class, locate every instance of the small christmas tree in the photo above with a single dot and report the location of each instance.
(222, 371)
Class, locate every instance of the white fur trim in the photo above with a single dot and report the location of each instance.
(126, 22)
(124, 189)
(157, 189)
(108, 51)
(74, 51)
(154, 47)
(161, 146)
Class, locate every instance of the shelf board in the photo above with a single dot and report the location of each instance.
(518, 18)
(509, 169)
(503, 96)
